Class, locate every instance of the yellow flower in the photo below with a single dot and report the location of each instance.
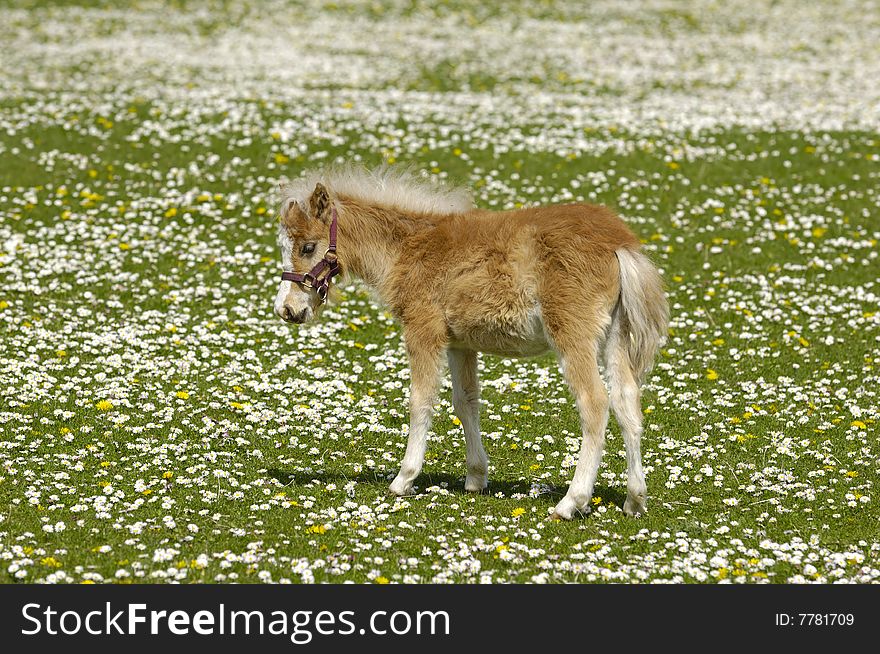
(711, 375)
(183, 395)
(317, 529)
(517, 512)
(167, 475)
(858, 424)
(381, 580)
(3, 304)
(171, 212)
(104, 405)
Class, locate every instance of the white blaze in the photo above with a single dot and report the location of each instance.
(290, 294)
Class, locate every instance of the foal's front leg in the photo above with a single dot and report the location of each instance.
(466, 401)
(424, 362)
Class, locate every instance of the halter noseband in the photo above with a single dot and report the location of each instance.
(325, 270)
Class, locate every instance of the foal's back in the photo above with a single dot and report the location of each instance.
(492, 276)
(589, 226)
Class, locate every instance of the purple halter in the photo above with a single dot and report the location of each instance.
(325, 270)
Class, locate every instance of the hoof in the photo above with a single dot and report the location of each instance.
(635, 506)
(475, 484)
(566, 509)
(555, 517)
(400, 488)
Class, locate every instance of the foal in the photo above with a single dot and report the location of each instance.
(567, 278)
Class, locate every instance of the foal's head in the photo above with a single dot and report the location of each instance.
(304, 238)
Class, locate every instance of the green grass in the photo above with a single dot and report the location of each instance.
(151, 401)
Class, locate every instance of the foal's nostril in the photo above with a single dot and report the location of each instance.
(291, 316)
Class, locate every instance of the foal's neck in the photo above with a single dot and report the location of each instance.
(371, 238)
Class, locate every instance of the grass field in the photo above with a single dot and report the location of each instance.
(159, 424)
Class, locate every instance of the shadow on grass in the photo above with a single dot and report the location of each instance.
(452, 483)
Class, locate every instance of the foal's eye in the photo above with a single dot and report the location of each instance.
(308, 248)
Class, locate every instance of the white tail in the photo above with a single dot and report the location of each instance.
(642, 314)
(638, 329)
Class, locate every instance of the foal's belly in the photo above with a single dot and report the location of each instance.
(519, 338)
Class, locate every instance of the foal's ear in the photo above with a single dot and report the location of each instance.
(319, 203)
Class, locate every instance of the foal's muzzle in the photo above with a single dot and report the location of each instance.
(293, 316)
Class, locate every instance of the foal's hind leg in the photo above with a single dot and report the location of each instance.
(424, 362)
(626, 404)
(582, 373)
(466, 401)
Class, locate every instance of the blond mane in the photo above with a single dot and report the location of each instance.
(399, 187)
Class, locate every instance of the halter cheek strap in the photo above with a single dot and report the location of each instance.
(325, 270)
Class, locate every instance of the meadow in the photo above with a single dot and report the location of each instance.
(158, 423)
